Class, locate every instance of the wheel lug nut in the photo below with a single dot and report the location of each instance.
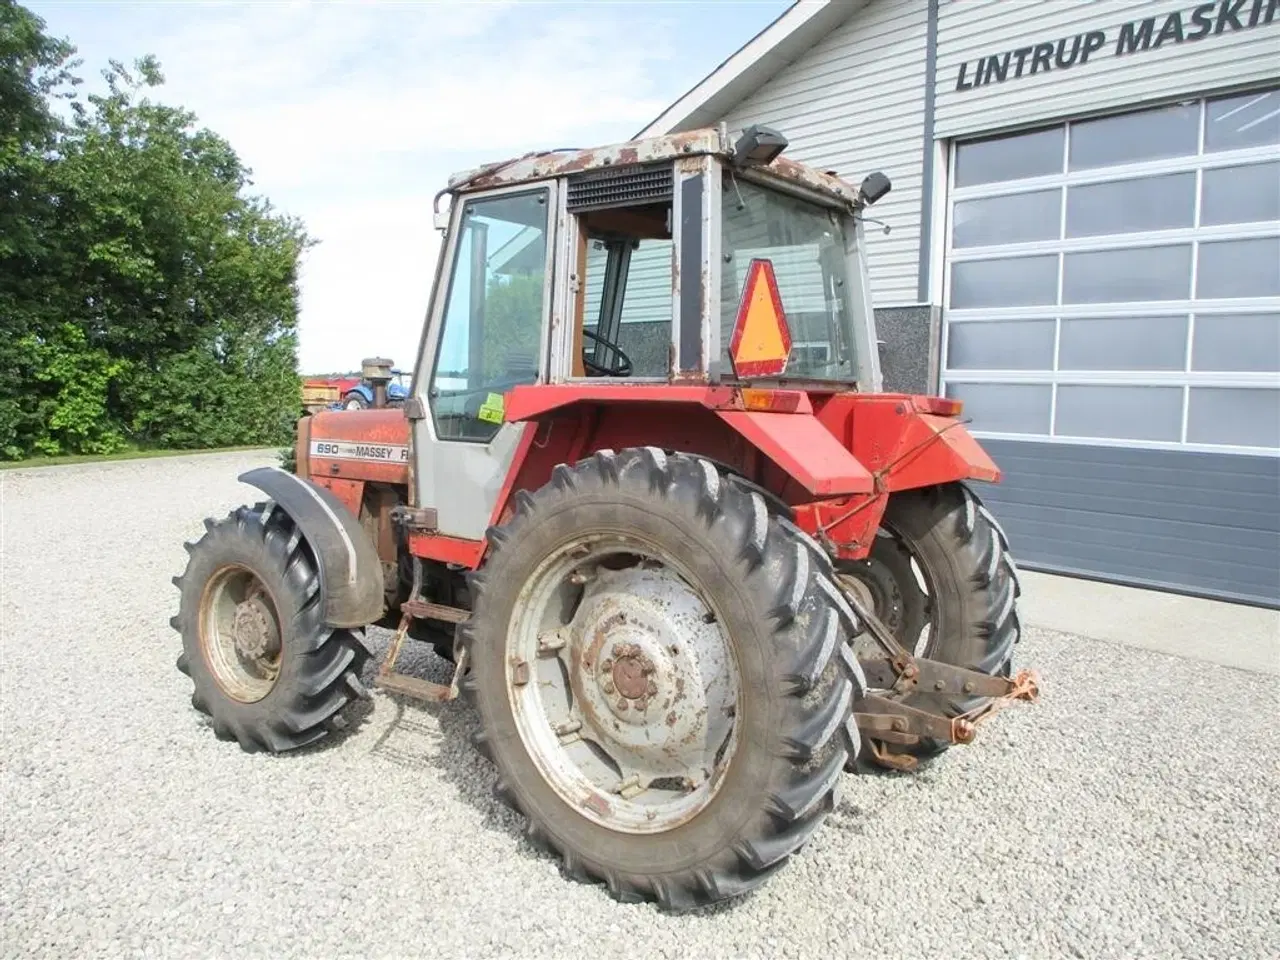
(622, 704)
(642, 703)
(607, 686)
(606, 664)
(653, 688)
(617, 650)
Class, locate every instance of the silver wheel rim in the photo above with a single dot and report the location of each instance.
(240, 634)
(623, 684)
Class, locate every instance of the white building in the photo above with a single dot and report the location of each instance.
(1084, 247)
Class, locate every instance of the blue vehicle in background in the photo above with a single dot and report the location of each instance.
(360, 397)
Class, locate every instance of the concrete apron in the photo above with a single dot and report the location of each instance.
(1228, 634)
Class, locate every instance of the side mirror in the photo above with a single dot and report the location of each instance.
(873, 187)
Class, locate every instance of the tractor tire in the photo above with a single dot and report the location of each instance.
(353, 401)
(971, 589)
(266, 669)
(650, 561)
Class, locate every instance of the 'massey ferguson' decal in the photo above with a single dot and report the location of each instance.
(373, 452)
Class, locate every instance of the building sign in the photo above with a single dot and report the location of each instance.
(1137, 36)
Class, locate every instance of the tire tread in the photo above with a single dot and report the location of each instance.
(817, 687)
(330, 659)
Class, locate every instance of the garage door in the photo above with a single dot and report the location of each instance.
(1112, 324)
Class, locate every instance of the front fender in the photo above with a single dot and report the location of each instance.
(351, 582)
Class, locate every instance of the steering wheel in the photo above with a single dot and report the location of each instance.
(622, 363)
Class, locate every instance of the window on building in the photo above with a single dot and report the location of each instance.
(1117, 279)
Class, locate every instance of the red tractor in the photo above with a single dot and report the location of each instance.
(688, 561)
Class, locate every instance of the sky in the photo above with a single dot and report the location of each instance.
(352, 115)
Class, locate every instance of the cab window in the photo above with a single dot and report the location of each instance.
(625, 328)
(493, 317)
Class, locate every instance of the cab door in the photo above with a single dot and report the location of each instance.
(487, 333)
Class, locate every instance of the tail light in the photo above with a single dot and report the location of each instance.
(771, 401)
(940, 406)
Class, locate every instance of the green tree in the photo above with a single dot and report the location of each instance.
(35, 70)
(143, 237)
(512, 323)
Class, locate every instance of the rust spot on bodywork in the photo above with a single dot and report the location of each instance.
(686, 146)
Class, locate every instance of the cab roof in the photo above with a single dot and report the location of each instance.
(706, 141)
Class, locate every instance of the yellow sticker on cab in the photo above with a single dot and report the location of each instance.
(492, 409)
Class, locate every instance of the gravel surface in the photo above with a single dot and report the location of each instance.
(1129, 813)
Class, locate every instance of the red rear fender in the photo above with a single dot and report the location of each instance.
(906, 442)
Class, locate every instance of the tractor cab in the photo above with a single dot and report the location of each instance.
(690, 258)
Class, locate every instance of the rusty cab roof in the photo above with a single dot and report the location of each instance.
(546, 165)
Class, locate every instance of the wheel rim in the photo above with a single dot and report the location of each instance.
(896, 587)
(623, 684)
(240, 634)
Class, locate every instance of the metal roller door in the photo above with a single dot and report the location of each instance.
(1112, 324)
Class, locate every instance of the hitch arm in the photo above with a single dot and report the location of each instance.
(885, 718)
(907, 674)
(894, 722)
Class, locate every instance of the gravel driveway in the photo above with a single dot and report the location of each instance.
(1132, 812)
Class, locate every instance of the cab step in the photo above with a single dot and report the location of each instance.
(415, 687)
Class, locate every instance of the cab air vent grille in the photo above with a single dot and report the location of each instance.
(623, 187)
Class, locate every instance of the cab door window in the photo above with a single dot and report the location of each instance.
(492, 333)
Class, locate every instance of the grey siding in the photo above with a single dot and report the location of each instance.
(972, 29)
(1203, 523)
(854, 103)
(648, 293)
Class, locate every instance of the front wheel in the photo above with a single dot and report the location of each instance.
(940, 577)
(661, 675)
(265, 668)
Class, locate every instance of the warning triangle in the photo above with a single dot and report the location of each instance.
(761, 337)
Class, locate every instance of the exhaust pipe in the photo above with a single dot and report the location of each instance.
(377, 370)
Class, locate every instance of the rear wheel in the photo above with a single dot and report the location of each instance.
(940, 577)
(266, 669)
(354, 401)
(659, 668)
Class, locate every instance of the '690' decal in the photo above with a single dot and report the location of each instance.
(373, 452)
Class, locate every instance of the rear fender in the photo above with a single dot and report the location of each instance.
(907, 442)
(834, 459)
(351, 582)
(694, 418)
